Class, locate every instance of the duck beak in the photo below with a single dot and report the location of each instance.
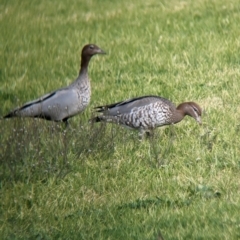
(198, 119)
(100, 51)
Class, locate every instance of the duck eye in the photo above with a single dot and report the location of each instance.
(91, 47)
(195, 109)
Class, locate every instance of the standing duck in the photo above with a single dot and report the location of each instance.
(65, 102)
(147, 112)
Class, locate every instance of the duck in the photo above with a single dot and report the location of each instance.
(66, 102)
(146, 113)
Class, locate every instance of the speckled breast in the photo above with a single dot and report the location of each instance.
(145, 117)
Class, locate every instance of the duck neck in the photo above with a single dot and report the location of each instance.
(178, 116)
(84, 65)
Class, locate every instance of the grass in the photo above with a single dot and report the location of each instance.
(100, 182)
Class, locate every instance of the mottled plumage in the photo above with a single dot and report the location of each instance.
(65, 102)
(147, 112)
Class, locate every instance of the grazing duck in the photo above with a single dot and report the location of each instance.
(147, 112)
(65, 102)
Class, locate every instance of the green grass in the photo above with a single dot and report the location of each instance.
(100, 182)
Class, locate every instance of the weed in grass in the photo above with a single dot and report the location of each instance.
(160, 147)
(35, 149)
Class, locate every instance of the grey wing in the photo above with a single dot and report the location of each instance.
(130, 105)
(53, 106)
(63, 104)
(36, 101)
(23, 110)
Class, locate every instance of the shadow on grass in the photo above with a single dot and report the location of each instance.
(146, 203)
(201, 191)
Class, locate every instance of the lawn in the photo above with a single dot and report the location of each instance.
(99, 181)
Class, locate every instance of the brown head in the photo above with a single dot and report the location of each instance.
(191, 109)
(88, 51)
